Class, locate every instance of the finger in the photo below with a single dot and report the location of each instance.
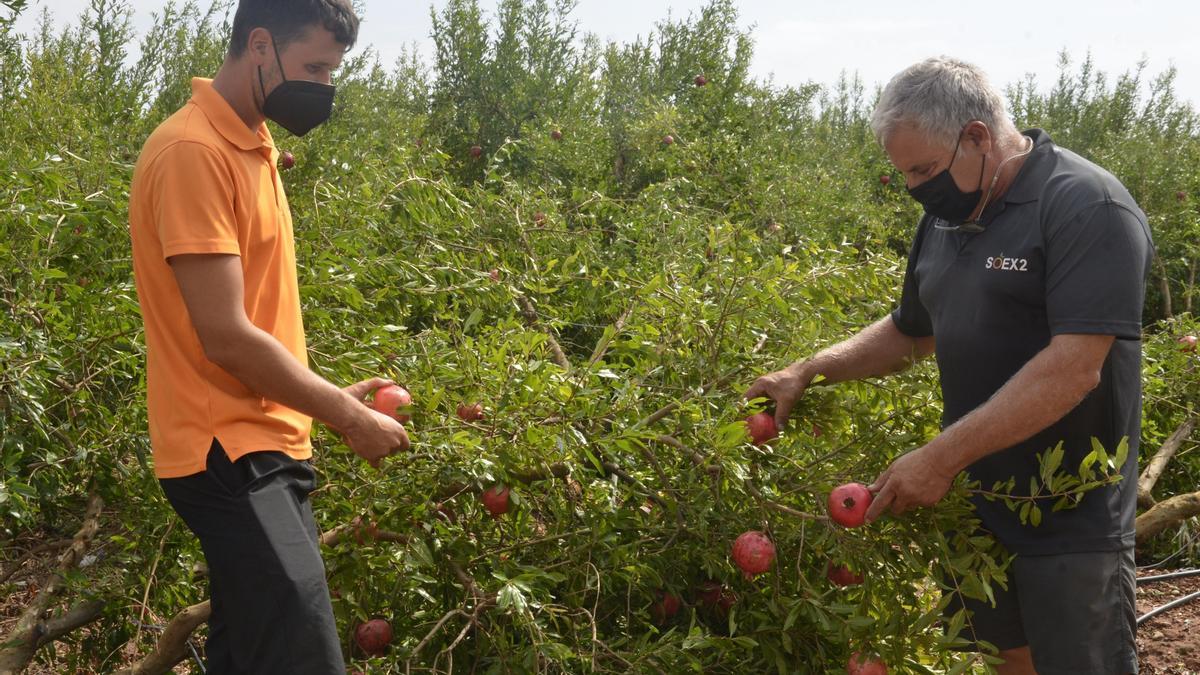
(881, 501)
(405, 443)
(359, 390)
(901, 504)
(759, 388)
(783, 410)
(880, 481)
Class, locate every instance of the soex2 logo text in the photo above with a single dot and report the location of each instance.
(999, 262)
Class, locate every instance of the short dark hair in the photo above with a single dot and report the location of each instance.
(287, 20)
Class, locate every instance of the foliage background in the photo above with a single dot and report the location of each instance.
(669, 274)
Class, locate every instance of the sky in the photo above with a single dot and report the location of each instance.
(798, 41)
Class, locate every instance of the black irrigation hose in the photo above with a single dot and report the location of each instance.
(1170, 605)
(1179, 574)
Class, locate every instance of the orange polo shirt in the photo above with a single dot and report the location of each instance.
(206, 183)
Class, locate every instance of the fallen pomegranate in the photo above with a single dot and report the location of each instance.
(286, 160)
(373, 637)
(393, 401)
(861, 664)
(762, 427)
(476, 151)
(665, 608)
(753, 553)
(668, 139)
(840, 575)
(495, 500)
(700, 80)
(848, 504)
(885, 179)
(494, 274)
(1188, 343)
(556, 135)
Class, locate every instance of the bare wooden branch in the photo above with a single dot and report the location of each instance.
(23, 640)
(1158, 464)
(1165, 514)
(77, 617)
(172, 644)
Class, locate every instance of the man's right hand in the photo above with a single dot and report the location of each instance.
(374, 435)
(785, 387)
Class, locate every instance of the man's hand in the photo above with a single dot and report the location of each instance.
(359, 390)
(785, 387)
(917, 478)
(375, 435)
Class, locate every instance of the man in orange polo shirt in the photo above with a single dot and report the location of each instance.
(230, 395)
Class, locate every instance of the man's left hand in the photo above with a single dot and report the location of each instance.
(917, 478)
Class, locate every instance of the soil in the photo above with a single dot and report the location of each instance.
(1169, 644)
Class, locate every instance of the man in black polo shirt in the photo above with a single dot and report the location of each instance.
(1026, 280)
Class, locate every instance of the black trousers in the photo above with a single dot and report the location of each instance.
(270, 602)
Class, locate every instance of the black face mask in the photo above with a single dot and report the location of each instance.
(296, 105)
(941, 197)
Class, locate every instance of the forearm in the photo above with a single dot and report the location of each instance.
(263, 365)
(1047, 388)
(879, 349)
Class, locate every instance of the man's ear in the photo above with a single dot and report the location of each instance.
(976, 134)
(259, 47)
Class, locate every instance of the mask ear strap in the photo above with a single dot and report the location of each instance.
(261, 85)
(982, 164)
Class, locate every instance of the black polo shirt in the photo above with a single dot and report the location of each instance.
(1065, 251)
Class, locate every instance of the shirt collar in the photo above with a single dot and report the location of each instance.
(223, 118)
(1030, 180)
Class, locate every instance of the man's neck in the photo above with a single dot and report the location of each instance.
(235, 86)
(1017, 144)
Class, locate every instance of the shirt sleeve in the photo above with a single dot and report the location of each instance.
(911, 317)
(1096, 265)
(193, 201)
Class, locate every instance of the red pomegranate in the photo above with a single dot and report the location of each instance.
(665, 608)
(373, 636)
(762, 428)
(862, 664)
(495, 500)
(840, 575)
(753, 553)
(393, 401)
(848, 504)
(469, 412)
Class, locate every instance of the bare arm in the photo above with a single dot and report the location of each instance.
(212, 288)
(1042, 392)
(879, 349)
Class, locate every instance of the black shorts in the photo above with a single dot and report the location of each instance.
(1074, 610)
(270, 602)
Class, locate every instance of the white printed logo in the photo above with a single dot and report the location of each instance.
(999, 262)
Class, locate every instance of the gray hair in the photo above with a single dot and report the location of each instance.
(938, 97)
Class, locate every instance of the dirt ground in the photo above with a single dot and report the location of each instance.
(1170, 642)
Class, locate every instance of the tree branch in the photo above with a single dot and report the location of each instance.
(1158, 464)
(1165, 514)
(24, 639)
